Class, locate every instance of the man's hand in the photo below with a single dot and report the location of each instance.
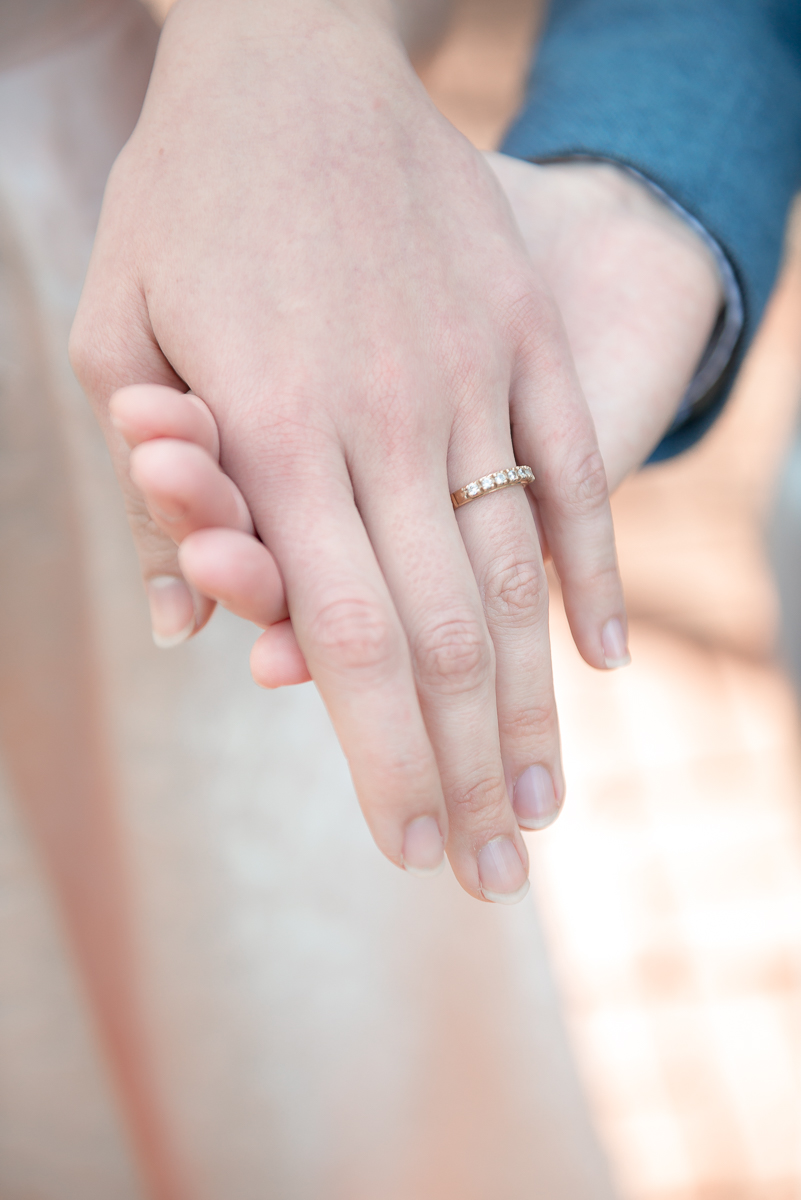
(637, 289)
(295, 234)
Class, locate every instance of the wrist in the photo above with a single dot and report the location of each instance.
(276, 16)
(613, 194)
(420, 24)
(638, 289)
(683, 234)
(252, 47)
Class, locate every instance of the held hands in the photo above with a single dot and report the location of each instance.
(349, 294)
(658, 305)
(643, 270)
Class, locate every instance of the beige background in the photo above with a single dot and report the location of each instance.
(211, 985)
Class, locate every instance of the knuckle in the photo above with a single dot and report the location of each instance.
(529, 317)
(595, 579)
(483, 798)
(516, 590)
(157, 553)
(454, 654)
(396, 430)
(148, 536)
(96, 347)
(82, 355)
(586, 488)
(523, 311)
(407, 775)
(474, 368)
(355, 635)
(535, 721)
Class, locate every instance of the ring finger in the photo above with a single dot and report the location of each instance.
(501, 540)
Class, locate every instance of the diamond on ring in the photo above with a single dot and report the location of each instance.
(491, 483)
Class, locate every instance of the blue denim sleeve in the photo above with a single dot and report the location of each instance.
(701, 96)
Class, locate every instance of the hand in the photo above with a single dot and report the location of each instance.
(640, 294)
(637, 289)
(297, 235)
(174, 465)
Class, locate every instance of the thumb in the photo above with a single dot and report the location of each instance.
(108, 353)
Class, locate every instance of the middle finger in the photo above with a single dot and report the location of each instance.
(409, 518)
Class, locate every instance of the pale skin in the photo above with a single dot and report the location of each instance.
(352, 298)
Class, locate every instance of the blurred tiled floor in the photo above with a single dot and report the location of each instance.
(672, 895)
(671, 886)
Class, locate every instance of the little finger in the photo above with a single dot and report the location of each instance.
(554, 433)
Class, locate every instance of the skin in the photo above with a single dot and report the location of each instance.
(639, 292)
(349, 293)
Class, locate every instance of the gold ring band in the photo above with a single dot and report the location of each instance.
(511, 477)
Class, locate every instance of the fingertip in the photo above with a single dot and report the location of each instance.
(185, 489)
(238, 571)
(603, 644)
(614, 643)
(172, 611)
(208, 423)
(147, 411)
(137, 410)
(204, 610)
(124, 427)
(276, 659)
(423, 851)
(536, 799)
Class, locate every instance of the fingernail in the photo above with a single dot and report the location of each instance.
(501, 873)
(120, 425)
(613, 640)
(177, 507)
(535, 802)
(423, 847)
(172, 610)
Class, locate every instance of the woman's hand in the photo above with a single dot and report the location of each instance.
(639, 292)
(295, 233)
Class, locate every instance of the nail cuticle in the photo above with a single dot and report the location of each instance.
(175, 639)
(537, 823)
(614, 645)
(612, 664)
(423, 872)
(506, 897)
(170, 518)
(171, 603)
